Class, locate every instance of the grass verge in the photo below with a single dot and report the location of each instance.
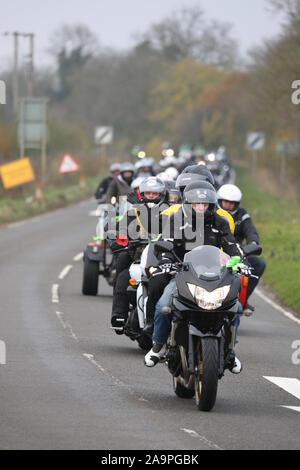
(278, 221)
(13, 209)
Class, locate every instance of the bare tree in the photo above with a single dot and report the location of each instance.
(187, 34)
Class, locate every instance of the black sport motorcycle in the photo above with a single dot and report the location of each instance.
(204, 308)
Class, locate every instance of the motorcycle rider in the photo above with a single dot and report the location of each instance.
(121, 185)
(114, 170)
(193, 173)
(157, 283)
(146, 220)
(199, 201)
(229, 197)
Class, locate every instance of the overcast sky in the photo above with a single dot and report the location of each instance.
(116, 21)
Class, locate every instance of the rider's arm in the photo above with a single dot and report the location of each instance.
(249, 231)
(112, 190)
(227, 239)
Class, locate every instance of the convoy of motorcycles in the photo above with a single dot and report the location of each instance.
(210, 293)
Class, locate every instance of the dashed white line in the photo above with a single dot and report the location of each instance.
(203, 439)
(65, 271)
(54, 291)
(277, 307)
(66, 325)
(78, 257)
(116, 381)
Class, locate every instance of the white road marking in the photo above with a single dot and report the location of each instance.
(78, 257)
(290, 385)
(277, 307)
(66, 325)
(54, 290)
(65, 271)
(295, 408)
(203, 439)
(2, 353)
(116, 381)
(90, 357)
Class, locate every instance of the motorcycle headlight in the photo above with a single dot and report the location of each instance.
(208, 300)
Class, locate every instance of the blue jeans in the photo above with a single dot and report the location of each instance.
(162, 321)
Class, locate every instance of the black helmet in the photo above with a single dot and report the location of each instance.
(172, 190)
(186, 178)
(200, 170)
(152, 184)
(127, 167)
(201, 192)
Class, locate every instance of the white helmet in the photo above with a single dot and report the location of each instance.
(136, 182)
(229, 192)
(172, 172)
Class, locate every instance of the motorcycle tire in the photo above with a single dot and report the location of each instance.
(181, 391)
(90, 277)
(206, 373)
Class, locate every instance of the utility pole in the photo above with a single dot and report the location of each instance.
(15, 76)
(30, 82)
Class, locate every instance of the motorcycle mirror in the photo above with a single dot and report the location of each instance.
(162, 246)
(252, 249)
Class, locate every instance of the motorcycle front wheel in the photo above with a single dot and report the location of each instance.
(180, 390)
(90, 277)
(206, 372)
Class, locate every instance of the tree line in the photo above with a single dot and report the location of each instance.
(182, 81)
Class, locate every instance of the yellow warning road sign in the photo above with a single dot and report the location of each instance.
(16, 173)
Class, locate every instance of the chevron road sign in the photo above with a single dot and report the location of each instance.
(104, 135)
(255, 140)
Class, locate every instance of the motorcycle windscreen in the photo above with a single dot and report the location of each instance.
(208, 261)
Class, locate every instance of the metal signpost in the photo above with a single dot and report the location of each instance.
(2, 92)
(103, 135)
(286, 148)
(255, 142)
(32, 128)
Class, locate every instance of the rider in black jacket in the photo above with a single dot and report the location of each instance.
(229, 197)
(114, 170)
(197, 223)
(142, 221)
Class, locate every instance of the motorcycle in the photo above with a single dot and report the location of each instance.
(204, 309)
(144, 258)
(98, 258)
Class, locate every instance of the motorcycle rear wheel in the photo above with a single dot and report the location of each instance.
(206, 373)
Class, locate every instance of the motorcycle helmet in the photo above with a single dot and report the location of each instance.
(127, 167)
(114, 167)
(201, 192)
(172, 172)
(136, 183)
(200, 170)
(173, 195)
(230, 192)
(186, 178)
(154, 185)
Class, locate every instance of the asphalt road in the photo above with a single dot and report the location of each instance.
(70, 382)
